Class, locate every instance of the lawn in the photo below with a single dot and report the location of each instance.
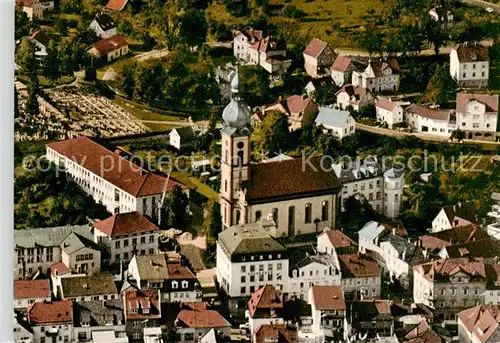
(157, 127)
(44, 82)
(195, 183)
(141, 112)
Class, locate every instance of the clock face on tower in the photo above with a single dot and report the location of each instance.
(240, 145)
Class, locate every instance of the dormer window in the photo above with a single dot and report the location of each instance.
(185, 284)
(145, 310)
(175, 284)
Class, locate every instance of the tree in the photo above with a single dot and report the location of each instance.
(149, 80)
(16, 104)
(434, 33)
(327, 144)
(128, 80)
(193, 27)
(237, 8)
(254, 84)
(457, 134)
(212, 224)
(52, 63)
(441, 87)
(174, 208)
(371, 41)
(22, 24)
(26, 56)
(272, 135)
(32, 107)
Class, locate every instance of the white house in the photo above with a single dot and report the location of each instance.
(270, 54)
(378, 76)
(477, 115)
(469, 65)
(388, 112)
(332, 240)
(342, 68)
(430, 120)
(328, 310)
(110, 48)
(318, 57)
(479, 324)
(339, 123)
(265, 307)
(112, 180)
(242, 40)
(369, 235)
(103, 25)
(183, 137)
(442, 15)
(454, 215)
(356, 97)
(126, 235)
(41, 41)
(28, 292)
(51, 320)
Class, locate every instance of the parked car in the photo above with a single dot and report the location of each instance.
(489, 9)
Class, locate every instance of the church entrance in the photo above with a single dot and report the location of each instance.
(291, 221)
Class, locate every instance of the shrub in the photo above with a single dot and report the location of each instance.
(293, 12)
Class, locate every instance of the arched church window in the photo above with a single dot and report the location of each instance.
(308, 213)
(258, 215)
(240, 157)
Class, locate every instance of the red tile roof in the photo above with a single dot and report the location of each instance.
(428, 112)
(116, 5)
(264, 299)
(199, 306)
(315, 47)
(422, 333)
(463, 99)
(481, 321)
(327, 298)
(444, 268)
(276, 333)
(113, 168)
(201, 319)
(386, 104)
(24, 289)
(176, 271)
(297, 103)
(46, 313)
(110, 44)
(341, 63)
(121, 224)
(456, 235)
(136, 301)
(339, 239)
(60, 267)
(358, 265)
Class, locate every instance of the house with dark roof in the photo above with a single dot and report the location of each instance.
(92, 316)
(265, 307)
(378, 76)
(477, 115)
(442, 15)
(142, 309)
(451, 216)
(430, 120)
(300, 110)
(361, 276)
(193, 322)
(492, 294)
(51, 320)
(342, 68)
(488, 249)
(469, 65)
(276, 333)
(175, 281)
(41, 41)
(422, 333)
(479, 324)
(110, 48)
(435, 242)
(28, 292)
(270, 54)
(111, 179)
(183, 137)
(370, 318)
(318, 58)
(85, 287)
(355, 97)
(321, 86)
(103, 25)
(328, 309)
(126, 235)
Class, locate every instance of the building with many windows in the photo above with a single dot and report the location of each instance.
(378, 76)
(27, 292)
(51, 321)
(477, 115)
(361, 276)
(328, 309)
(469, 65)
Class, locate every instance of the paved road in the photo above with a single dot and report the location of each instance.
(423, 136)
(151, 54)
(484, 4)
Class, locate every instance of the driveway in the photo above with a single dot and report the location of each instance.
(151, 54)
(482, 3)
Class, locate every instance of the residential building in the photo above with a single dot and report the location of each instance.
(361, 276)
(264, 307)
(276, 333)
(97, 287)
(454, 215)
(96, 316)
(388, 113)
(442, 15)
(479, 324)
(248, 258)
(422, 333)
(435, 242)
(27, 292)
(21, 332)
(111, 180)
(51, 321)
(35, 250)
(369, 235)
(195, 320)
(32, 8)
(126, 235)
(356, 97)
(342, 68)
(270, 54)
(492, 294)
(477, 115)
(80, 254)
(116, 5)
(469, 65)
(300, 110)
(328, 310)
(488, 249)
(332, 241)
(300, 199)
(175, 281)
(366, 180)
(103, 25)
(378, 76)
(321, 87)
(318, 58)
(337, 122)
(183, 137)
(371, 318)
(109, 336)
(430, 120)
(110, 48)
(242, 40)
(153, 335)
(41, 41)
(142, 309)
(449, 285)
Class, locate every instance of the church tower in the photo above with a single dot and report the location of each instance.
(235, 155)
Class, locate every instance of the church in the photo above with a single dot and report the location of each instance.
(300, 195)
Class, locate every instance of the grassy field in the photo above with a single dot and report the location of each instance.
(44, 82)
(156, 127)
(193, 182)
(142, 113)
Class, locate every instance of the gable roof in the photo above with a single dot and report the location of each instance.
(315, 47)
(464, 210)
(341, 63)
(98, 313)
(338, 239)
(493, 276)
(281, 333)
(422, 333)
(353, 91)
(248, 33)
(41, 37)
(88, 285)
(481, 321)
(124, 174)
(110, 44)
(327, 298)
(322, 82)
(358, 265)
(46, 313)
(487, 248)
(456, 235)
(332, 117)
(444, 268)
(263, 300)
(297, 103)
(74, 242)
(471, 52)
(201, 318)
(371, 230)
(370, 310)
(116, 5)
(428, 112)
(49, 236)
(292, 178)
(143, 304)
(25, 289)
(386, 104)
(463, 99)
(158, 267)
(185, 132)
(105, 21)
(122, 224)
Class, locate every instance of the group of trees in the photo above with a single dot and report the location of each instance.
(212, 226)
